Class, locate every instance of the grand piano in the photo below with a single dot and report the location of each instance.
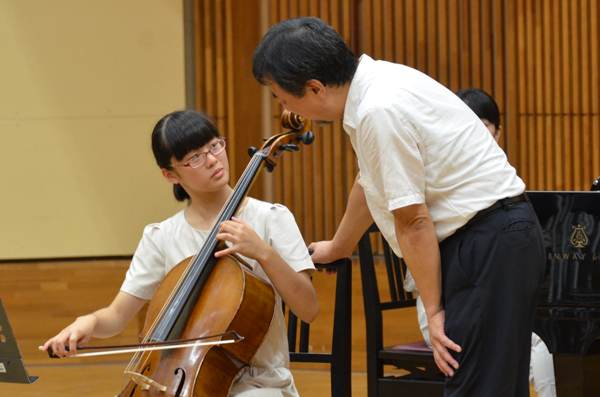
(568, 315)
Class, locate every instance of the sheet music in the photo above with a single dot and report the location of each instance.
(12, 367)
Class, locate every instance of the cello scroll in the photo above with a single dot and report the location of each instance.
(300, 132)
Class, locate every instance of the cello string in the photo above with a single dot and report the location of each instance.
(233, 200)
(184, 281)
(193, 261)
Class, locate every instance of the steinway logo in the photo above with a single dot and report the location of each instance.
(571, 256)
(579, 239)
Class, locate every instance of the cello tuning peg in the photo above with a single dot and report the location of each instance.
(290, 147)
(265, 139)
(252, 150)
(307, 138)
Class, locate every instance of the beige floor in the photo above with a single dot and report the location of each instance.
(42, 298)
(102, 380)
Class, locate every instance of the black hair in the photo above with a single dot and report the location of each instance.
(177, 134)
(300, 49)
(482, 104)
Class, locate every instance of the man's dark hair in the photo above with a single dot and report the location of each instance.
(297, 50)
(482, 104)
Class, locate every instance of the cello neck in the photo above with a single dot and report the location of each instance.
(179, 307)
(204, 261)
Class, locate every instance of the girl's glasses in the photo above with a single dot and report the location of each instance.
(199, 158)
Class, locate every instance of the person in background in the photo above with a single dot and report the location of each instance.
(485, 107)
(541, 372)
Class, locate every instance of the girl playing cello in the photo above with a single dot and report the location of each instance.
(190, 152)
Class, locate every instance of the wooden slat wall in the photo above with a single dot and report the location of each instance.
(558, 108)
(225, 37)
(315, 182)
(460, 43)
(538, 59)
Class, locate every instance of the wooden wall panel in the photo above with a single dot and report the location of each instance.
(539, 60)
(225, 38)
(557, 80)
(315, 182)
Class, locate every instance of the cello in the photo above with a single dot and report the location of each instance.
(204, 296)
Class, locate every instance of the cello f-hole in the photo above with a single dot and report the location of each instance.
(181, 382)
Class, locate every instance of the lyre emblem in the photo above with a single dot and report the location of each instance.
(579, 239)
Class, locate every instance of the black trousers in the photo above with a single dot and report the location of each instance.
(491, 272)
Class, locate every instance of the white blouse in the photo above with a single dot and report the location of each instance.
(166, 244)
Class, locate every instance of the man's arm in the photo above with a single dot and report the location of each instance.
(418, 242)
(354, 224)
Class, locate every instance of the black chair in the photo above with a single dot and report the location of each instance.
(340, 356)
(596, 185)
(423, 377)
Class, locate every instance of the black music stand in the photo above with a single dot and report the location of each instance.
(12, 367)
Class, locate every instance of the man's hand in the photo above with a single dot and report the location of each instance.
(440, 344)
(325, 252)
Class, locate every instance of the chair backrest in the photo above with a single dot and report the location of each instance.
(423, 378)
(395, 270)
(340, 356)
(596, 185)
(374, 305)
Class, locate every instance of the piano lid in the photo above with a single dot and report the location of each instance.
(568, 316)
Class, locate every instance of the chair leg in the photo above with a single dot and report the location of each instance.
(374, 372)
(341, 365)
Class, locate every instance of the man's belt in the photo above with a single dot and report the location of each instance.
(497, 206)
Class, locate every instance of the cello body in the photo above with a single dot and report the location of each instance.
(204, 296)
(233, 298)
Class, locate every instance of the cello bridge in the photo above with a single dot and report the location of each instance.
(143, 381)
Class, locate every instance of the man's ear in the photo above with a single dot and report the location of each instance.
(315, 86)
(170, 176)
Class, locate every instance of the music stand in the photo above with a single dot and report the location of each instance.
(12, 367)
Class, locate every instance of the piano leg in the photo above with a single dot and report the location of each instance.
(577, 375)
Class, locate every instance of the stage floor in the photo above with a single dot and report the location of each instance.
(41, 298)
